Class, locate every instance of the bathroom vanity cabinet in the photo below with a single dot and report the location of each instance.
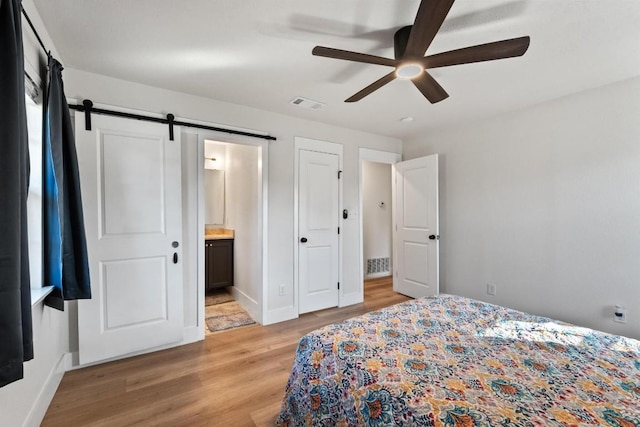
(218, 254)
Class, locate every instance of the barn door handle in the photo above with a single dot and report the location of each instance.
(433, 237)
(303, 240)
(175, 257)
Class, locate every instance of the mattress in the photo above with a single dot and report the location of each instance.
(452, 361)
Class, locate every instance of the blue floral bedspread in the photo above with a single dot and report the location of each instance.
(452, 361)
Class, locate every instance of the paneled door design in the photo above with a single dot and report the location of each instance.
(319, 219)
(416, 229)
(130, 174)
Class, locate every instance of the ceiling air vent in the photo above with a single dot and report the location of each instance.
(307, 103)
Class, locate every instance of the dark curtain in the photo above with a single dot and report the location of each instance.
(16, 344)
(64, 244)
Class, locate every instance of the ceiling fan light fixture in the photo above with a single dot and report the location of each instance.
(410, 44)
(409, 70)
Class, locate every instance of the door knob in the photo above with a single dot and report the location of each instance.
(303, 240)
(433, 237)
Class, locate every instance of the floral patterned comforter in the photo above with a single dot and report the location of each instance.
(452, 361)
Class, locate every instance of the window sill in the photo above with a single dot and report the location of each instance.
(38, 294)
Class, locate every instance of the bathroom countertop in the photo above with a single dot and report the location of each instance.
(218, 233)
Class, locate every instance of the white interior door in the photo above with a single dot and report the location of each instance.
(131, 187)
(319, 219)
(416, 231)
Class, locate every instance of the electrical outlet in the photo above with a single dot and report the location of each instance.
(491, 289)
(282, 290)
(620, 314)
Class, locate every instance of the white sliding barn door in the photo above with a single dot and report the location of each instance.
(319, 219)
(416, 229)
(131, 187)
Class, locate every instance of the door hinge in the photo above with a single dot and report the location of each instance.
(338, 230)
(338, 285)
(339, 173)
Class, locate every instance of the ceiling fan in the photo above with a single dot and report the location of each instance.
(411, 43)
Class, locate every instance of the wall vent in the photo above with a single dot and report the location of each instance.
(307, 103)
(377, 265)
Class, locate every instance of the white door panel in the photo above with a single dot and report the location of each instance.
(139, 206)
(415, 269)
(318, 223)
(320, 275)
(131, 185)
(416, 231)
(134, 282)
(415, 199)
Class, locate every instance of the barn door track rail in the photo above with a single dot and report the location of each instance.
(87, 108)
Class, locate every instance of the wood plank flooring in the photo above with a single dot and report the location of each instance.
(232, 378)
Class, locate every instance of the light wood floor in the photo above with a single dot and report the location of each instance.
(234, 378)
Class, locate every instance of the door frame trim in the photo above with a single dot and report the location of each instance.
(263, 175)
(378, 156)
(302, 143)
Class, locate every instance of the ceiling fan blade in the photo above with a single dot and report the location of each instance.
(484, 52)
(372, 87)
(347, 55)
(429, 18)
(430, 88)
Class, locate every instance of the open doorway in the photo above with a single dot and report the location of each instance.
(232, 216)
(376, 219)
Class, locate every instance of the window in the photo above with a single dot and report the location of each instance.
(34, 199)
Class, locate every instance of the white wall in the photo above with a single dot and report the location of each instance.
(24, 402)
(243, 213)
(100, 89)
(215, 150)
(545, 203)
(376, 220)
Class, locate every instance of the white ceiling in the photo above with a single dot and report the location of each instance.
(258, 53)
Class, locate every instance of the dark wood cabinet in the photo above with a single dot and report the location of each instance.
(218, 270)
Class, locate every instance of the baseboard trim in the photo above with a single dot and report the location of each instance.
(280, 315)
(351, 298)
(248, 303)
(48, 390)
(376, 275)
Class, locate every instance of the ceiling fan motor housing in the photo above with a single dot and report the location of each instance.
(400, 40)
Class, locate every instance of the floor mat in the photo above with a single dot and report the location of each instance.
(228, 315)
(217, 296)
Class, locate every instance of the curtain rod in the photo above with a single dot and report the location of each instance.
(87, 108)
(24, 12)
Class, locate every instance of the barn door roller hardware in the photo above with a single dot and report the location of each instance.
(88, 109)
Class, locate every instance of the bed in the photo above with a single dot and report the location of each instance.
(452, 361)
